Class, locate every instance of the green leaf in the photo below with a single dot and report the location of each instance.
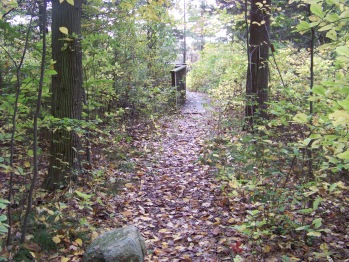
(3, 229)
(319, 90)
(325, 28)
(316, 203)
(253, 212)
(332, 17)
(332, 2)
(64, 30)
(345, 103)
(316, 9)
(343, 50)
(317, 222)
(344, 155)
(303, 26)
(300, 118)
(71, 2)
(3, 218)
(51, 72)
(332, 34)
(302, 228)
(339, 118)
(314, 234)
(83, 195)
(30, 153)
(345, 14)
(306, 211)
(3, 203)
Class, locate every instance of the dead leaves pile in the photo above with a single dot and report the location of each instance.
(177, 204)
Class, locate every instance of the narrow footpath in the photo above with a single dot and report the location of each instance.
(177, 204)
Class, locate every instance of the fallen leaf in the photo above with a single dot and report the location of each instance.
(79, 242)
(267, 248)
(127, 213)
(216, 231)
(56, 239)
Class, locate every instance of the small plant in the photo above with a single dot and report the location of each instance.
(236, 250)
(3, 225)
(43, 237)
(84, 200)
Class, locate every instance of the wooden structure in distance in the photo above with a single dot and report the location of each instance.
(178, 76)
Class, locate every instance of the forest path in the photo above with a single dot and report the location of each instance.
(178, 205)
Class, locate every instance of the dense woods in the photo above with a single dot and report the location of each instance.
(86, 101)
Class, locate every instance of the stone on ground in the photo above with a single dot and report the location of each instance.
(119, 245)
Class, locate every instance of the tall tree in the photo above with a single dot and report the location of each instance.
(66, 92)
(258, 51)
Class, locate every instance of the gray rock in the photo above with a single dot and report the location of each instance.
(119, 245)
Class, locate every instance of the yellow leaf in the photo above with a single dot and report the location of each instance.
(79, 242)
(64, 259)
(267, 249)
(61, 1)
(232, 220)
(324, 247)
(129, 185)
(56, 239)
(33, 254)
(64, 30)
(339, 117)
(71, 2)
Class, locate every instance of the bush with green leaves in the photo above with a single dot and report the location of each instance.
(219, 64)
(3, 225)
(292, 169)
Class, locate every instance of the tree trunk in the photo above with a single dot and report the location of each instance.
(258, 71)
(66, 93)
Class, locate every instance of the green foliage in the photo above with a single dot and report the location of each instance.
(126, 49)
(220, 67)
(43, 237)
(291, 167)
(84, 200)
(3, 225)
(328, 16)
(23, 255)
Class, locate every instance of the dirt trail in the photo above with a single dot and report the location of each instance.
(178, 205)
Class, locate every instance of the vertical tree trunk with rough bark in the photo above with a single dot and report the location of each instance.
(258, 71)
(66, 93)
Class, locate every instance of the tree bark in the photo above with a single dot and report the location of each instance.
(258, 71)
(66, 94)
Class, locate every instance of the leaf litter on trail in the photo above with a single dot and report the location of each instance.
(177, 204)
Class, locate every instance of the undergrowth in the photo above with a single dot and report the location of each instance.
(290, 171)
